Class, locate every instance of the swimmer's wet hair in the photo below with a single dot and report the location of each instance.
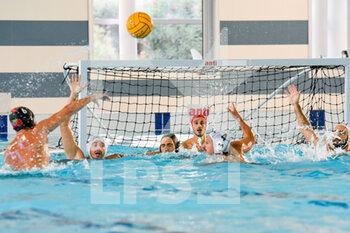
(174, 138)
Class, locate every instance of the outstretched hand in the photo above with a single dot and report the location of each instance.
(293, 94)
(233, 110)
(74, 84)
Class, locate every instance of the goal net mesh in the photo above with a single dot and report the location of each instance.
(148, 102)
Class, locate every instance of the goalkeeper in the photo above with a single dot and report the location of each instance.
(97, 146)
(233, 151)
(340, 139)
(199, 127)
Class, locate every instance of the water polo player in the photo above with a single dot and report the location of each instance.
(199, 127)
(97, 146)
(339, 141)
(168, 143)
(30, 148)
(216, 142)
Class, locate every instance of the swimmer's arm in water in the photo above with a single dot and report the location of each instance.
(304, 124)
(114, 156)
(246, 143)
(229, 160)
(117, 156)
(153, 153)
(71, 148)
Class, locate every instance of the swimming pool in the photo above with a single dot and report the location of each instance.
(293, 190)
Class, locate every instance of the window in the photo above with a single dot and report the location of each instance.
(177, 29)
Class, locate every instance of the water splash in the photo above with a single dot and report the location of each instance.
(288, 153)
(208, 159)
(54, 168)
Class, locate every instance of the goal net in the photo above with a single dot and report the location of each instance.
(150, 99)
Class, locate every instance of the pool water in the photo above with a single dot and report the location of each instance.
(292, 189)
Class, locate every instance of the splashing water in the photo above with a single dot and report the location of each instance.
(60, 196)
(296, 153)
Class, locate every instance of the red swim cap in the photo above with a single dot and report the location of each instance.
(198, 116)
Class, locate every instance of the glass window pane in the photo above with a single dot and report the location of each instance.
(171, 42)
(171, 9)
(106, 40)
(167, 41)
(105, 9)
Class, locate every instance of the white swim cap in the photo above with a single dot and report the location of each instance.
(93, 139)
(220, 142)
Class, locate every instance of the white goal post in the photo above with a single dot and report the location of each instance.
(198, 72)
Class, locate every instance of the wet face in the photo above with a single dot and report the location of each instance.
(341, 136)
(98, 149)
(208, 145)
(167, 145)
(199, 127)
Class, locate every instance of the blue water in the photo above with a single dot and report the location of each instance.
(292, 190)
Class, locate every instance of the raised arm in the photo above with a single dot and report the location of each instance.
(55, 120)
(75, 88)
(246, 143)
(304, 124)
(71, 148)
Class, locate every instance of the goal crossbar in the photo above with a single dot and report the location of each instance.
(182, 75)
